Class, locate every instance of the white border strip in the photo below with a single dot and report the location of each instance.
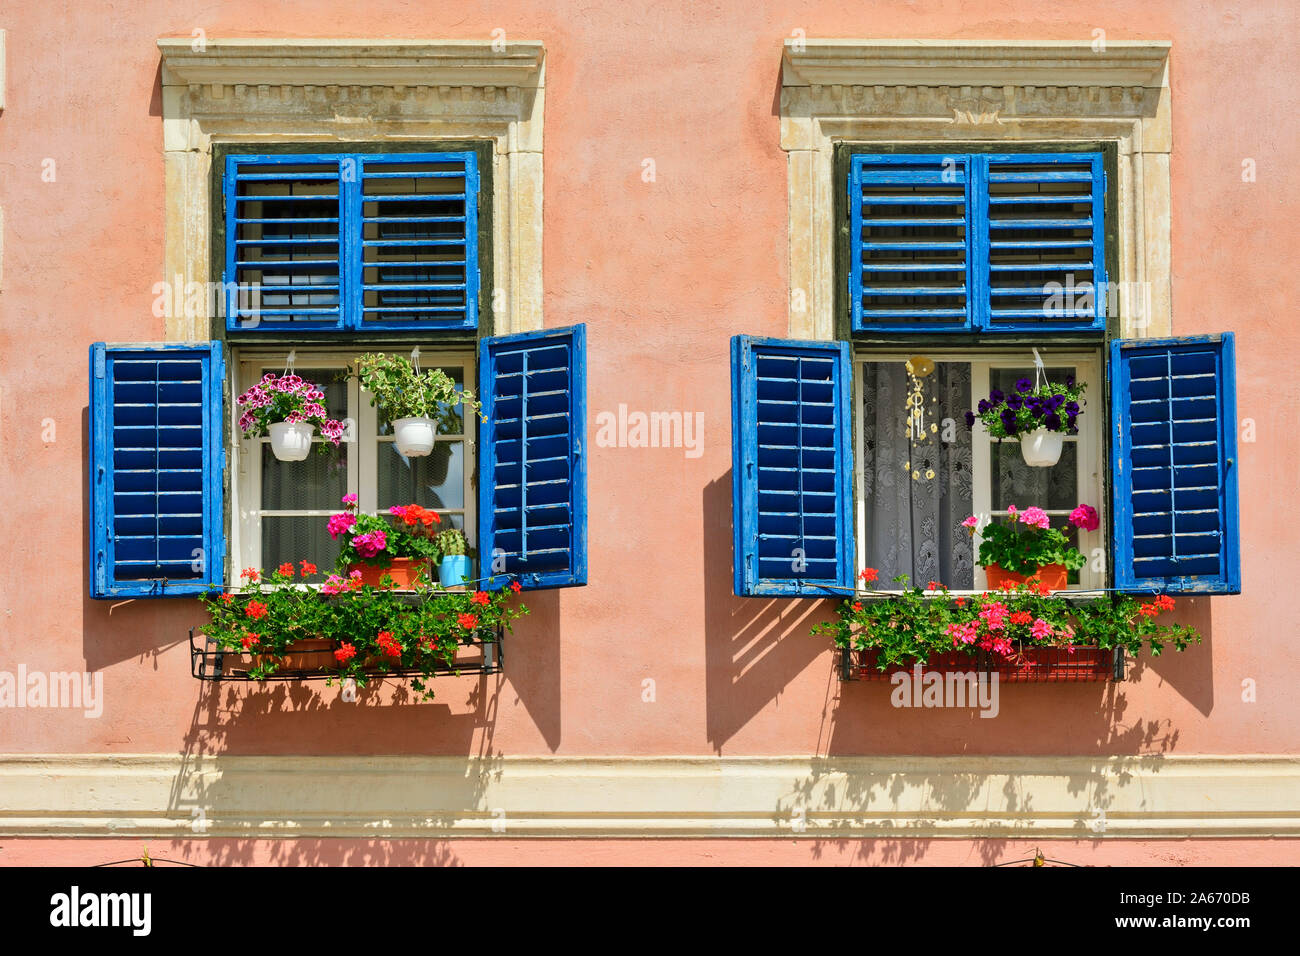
(158, 795)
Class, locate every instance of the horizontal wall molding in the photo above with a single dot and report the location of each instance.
(161, 796)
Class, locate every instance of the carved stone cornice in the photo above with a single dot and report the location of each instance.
(973, 63)
(350, 63)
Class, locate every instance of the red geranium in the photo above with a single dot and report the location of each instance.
(286, 569)
(481, 597)
(345, 653)
(467, 621)
(256, 610)
(307, 567)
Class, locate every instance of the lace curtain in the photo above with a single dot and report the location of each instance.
(913, 525)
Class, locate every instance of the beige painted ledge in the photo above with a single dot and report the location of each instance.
(159, 795)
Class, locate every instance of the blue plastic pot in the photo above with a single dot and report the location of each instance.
(454, 570)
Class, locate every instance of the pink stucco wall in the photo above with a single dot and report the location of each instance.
(663, 274)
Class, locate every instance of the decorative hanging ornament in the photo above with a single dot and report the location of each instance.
(919, 367)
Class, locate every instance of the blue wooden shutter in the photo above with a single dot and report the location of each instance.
(909, 222)
(285, 268)
(791, 466)
(356, 241)
(417, 255)
(1040, 241)
(156, 463)
(1174, 461)
(532, 462)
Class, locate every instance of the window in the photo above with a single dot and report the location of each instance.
(351, 241)
(283, 506)
(992, 242)
(917, 484)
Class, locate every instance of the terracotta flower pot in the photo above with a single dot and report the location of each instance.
(1055, 576)
(405, 572)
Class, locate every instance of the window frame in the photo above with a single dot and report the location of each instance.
(246, 367)
(1092, 453)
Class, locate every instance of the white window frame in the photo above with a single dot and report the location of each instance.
(249, 364)
(1091, 457)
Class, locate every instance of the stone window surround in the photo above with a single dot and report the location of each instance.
(356, 90)
(968, 91)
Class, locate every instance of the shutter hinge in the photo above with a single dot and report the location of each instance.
(99, 363)
(99, 572)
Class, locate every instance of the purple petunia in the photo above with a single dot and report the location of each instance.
(1024, 385)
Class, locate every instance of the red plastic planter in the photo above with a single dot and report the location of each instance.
(1055, 576)
(405, 572)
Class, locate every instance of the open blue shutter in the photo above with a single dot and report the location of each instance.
(1040, 252)
(532, 463)
(156, 463)
(791, 467)
(1174, 461)
(355, 241)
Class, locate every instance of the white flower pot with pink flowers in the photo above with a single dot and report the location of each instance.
(290, 409)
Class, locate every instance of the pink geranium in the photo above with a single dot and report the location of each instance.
(1041, 630)
(1036, 517)
(1085, 517)
(370, 544)
(340, 523)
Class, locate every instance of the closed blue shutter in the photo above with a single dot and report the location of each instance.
(532, 464)
(357, 241)
(1174, 461)
(285, 270)
(1040, 254)
(791, 467)
(910, 223)
(156, 463)
(989, 242)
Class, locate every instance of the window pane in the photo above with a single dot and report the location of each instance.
(917, 491)
(317, 482)
(1012, 481)
(435, 481)
(296, 538)
(1015, 483)
(451, 421)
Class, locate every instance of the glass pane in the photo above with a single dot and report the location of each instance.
(451, 421)
(296, 538)
(315, 483)
(917, 488)
(436, 480)
(1015, 483)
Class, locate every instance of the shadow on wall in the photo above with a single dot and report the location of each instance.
(919, 798)
(754, 647)
(307, 717)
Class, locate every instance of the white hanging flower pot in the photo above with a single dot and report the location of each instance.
(415, 437)
(291, 441)
(1041, 447)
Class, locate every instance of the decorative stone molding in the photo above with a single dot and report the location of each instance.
(256, 90)
(964, 91)
(161, 795)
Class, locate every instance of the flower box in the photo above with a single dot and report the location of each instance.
(1030, 665)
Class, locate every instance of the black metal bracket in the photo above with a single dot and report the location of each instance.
(481, 653)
